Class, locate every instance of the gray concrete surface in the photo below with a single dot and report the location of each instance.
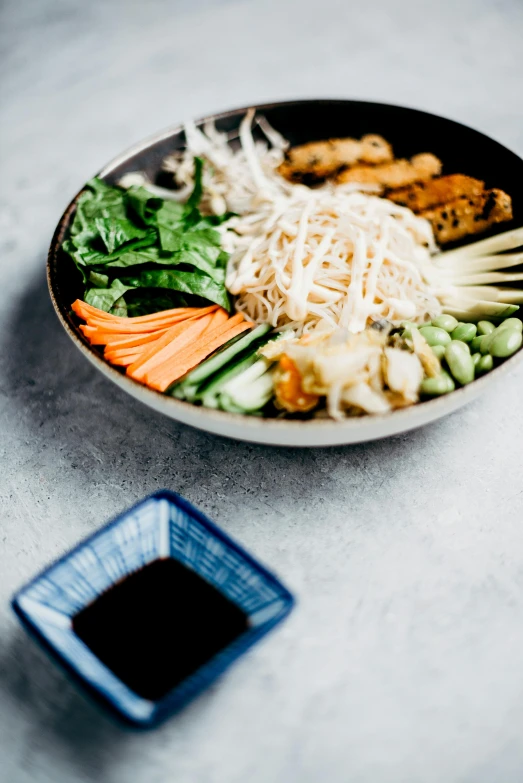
(403, 662)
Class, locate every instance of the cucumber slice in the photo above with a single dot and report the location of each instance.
(251, 396)
(476, 309)
(216, 362)
(247, 377)
(209, 394)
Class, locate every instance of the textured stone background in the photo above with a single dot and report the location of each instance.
(403, 661)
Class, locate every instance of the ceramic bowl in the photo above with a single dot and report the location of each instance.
(161, 526)
(462, 149)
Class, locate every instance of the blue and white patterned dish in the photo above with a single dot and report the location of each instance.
(162, 525)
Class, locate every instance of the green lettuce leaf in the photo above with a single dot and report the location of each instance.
(186, 282)
(98, 280)
(144, 204)
(115, 232)
(171, 254)
(120, 308)
(106, 298)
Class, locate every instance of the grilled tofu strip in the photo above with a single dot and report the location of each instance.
(435, 192)
(465, 216)
(397, 174)
(321, 159)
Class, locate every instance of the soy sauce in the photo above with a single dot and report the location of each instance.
(158, 625)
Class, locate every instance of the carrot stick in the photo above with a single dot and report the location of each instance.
(166, 374)
(132, 328)
(125, 361)
(120, 353)
(205, 338)
(87, 311)
(218, 318)
(170, 343)
(119, 339)
(131, 341)
(92, 334)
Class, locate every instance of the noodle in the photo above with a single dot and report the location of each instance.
(309, 258)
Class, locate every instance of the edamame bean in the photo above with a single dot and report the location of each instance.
(460, 362)
(476, 358)
(476, 343)
(435, 387)
(464, 332)
(511, 323)
(438, 350)
(485, 364)
(485, 342)
(464, 346)
(446, 322)
(505, 342)
(485, 327)
(435, 336)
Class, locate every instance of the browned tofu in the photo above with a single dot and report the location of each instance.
(434, 192)
(397, 174)
(321, 159)
(466, 216)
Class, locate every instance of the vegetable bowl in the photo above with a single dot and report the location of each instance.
(143, 239)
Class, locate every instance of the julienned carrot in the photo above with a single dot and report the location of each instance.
(96, 337)
(173, 341)
(120, 353)
(132, 328)
(205, 337)
(164, 375)
(218, 318)
(132, 341)
(119, 339)
(100, 333)
(87, 311)
(125, 361)
(214, 339)
(183, 344)
(161, 381)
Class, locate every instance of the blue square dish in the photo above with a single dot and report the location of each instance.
(161, 526)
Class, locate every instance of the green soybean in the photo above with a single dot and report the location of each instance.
(464, 332)
(476, 358)
(435, 336)
(485, 327)
(460, 362)
(438, 350)
(446, 322)
(435, 387)
(486, 341)
(485, 364)
(505, 342)
(475, 344)
(511, 323)
(463, 346)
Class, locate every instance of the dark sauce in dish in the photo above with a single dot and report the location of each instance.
(158, 625)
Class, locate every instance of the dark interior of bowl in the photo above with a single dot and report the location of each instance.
(461, 149)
